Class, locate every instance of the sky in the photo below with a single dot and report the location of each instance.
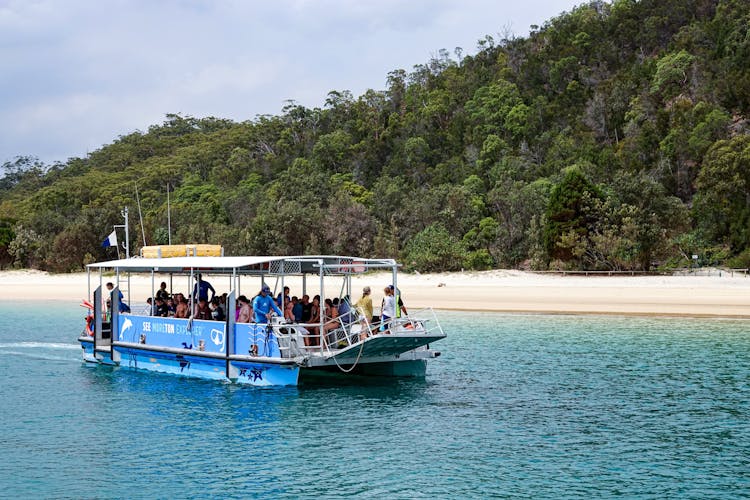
(76, 74)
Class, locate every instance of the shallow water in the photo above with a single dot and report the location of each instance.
(517, 405)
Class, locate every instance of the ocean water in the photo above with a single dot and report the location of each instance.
(526, 406)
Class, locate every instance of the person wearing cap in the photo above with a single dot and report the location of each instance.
(364, 307)
(263, 305)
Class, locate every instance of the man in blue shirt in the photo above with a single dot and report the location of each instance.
(201, 288)
(123, 306)
(263, 303)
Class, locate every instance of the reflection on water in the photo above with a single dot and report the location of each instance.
(534, 406)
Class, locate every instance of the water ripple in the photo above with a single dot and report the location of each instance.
(517, 406)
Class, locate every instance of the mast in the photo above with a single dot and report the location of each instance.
(124, 213)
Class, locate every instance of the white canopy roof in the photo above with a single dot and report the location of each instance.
(333, 264)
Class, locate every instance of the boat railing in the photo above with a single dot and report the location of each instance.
(353, 327)
(421, 320)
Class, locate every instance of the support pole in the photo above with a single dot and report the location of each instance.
(321, 332)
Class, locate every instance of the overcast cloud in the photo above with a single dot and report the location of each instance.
(76, 74)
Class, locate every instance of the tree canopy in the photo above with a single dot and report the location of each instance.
(615, 136)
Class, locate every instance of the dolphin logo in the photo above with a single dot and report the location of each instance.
(126, 325)
(217, 337)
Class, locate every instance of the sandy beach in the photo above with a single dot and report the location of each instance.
(718, 294)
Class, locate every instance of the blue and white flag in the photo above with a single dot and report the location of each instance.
(111, 240)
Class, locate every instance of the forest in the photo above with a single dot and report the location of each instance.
(613, 137)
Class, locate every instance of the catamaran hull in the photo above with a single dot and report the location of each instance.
(195, 366)
(403, 368)
(247, 371)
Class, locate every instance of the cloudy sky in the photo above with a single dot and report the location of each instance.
(75, 74)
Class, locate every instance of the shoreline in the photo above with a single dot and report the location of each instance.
(509, 291)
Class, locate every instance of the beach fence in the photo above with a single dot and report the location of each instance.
(702, 271)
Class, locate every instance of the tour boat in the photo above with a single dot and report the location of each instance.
(276, 352)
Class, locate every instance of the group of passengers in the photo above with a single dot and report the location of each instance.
(302, 311)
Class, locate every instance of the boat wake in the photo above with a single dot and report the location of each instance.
(39, 345)
(37, 355)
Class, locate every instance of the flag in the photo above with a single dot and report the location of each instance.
(111, 240)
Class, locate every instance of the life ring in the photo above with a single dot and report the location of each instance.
(90, 325)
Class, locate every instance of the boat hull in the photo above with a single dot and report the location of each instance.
(250, 372)
(415, 368)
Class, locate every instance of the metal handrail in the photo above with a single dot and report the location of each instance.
(423, 321)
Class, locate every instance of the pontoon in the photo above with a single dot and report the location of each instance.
(279, 352)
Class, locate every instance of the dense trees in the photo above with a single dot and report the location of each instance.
(613, 137)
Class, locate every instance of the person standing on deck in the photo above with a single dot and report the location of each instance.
(162, 292)
(401, 306)
(387, 309)
(263, 303)
(201, 288)
(364, 307)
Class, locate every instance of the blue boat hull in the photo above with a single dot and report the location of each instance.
(242, 372)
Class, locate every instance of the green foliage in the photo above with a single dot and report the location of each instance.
(462, 162)
(722, 203)
(672, 74)
(571, 215)
(434, 249)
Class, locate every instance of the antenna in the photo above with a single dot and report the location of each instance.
(169, 218)
(140, 216)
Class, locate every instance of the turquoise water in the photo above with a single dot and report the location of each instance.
(517, 406)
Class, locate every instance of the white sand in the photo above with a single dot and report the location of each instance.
(716, 295)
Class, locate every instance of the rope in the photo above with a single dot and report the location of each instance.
(359, 355)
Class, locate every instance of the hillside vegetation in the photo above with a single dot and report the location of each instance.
(613, 137)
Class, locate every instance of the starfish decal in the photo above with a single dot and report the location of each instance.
(257, 374)
(183, 363)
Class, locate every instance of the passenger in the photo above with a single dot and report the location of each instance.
(364, 305)
(162, 292)
(182, 309)
(289, 311)
(160, 309)
(217, 312)
(297, 310)
(387, 309)
(171, 308)
(285, 297)
(364, 308)
(332, 313)
(345, 310)
(123, 306)
(401, 306)
(314, 320)
(201, 288)
(244, 311)
(264, 306)
(150, 307)
(306, 309)
(201, 310)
